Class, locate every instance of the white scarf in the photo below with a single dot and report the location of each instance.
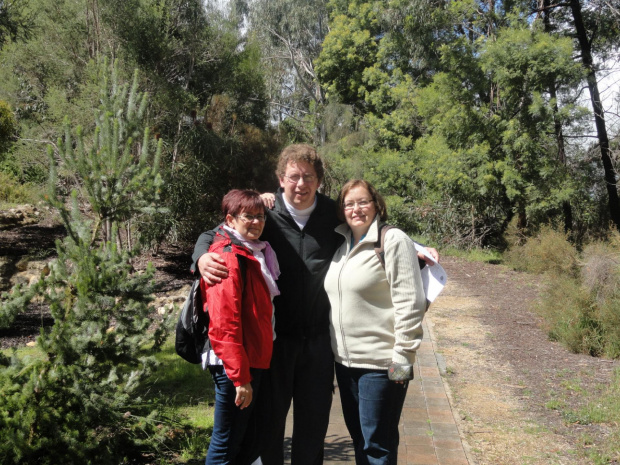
(265, 255)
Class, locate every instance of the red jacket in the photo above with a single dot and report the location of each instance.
(240, 312)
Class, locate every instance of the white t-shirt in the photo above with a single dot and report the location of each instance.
(301, 217)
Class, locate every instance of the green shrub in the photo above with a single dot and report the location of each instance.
(80, 402)
(600, 275)
(600, 271)
(548, 252)
(12, 191)
(581, 301)
(569, 314)
(609, 316)
(8, 126)
(402, 214)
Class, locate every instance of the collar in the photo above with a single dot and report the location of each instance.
(296, 212)
(372, 235)
(280, 207)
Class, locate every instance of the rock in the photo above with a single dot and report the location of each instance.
(171, 301)
(29, 272)
(22, 264)
(20, 215)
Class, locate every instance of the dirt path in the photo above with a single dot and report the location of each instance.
(505, 375)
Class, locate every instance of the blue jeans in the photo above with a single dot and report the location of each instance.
(371, 405)
(232, 426)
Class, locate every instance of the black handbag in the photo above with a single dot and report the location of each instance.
(192, 338)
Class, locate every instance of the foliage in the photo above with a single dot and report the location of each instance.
(212, 163)
(8, 127)
(549, 251)
(80, 402)
(479, 96)
(291, 34)
(11, 191)
(580, 301)
(374, 57)
(569, 314)
(349, 49)
(14, 22)
(495, 155)
(117, 176)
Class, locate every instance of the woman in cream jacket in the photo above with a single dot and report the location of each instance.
(376, 322)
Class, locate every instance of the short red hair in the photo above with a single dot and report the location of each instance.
(240, 200)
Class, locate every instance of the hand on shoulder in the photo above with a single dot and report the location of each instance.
(212, 268)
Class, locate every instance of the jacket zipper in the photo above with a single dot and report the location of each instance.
(340, 308)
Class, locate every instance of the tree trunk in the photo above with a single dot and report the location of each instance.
(94, 30)
(559, 136)
(599, 117)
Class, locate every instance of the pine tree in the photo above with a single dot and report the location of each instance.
(78, 402)
(116, 176)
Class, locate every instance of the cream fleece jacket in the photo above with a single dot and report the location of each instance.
(376, 314)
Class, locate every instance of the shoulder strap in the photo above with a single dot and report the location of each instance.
(243, 265)
(380, 244)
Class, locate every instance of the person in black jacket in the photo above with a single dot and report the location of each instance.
(300, 228)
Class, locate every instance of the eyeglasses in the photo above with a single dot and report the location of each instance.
(361, 203)
(294, 179)
(249, 218)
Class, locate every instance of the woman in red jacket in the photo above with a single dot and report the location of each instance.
(240, 330)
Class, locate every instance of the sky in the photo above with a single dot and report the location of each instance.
(609, 87)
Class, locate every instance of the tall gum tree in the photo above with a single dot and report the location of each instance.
(585, 44)
(293, 32)
(594, 25)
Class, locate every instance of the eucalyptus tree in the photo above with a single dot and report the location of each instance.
(376, 55)
(292, 33)
(558, 126)
(14, 20)
(595, 27)
(585, 40)
(462, 91)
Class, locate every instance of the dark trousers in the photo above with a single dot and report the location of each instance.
(371, 405)
(302, 370)
(234, 430)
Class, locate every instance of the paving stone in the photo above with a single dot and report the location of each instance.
(428, 431)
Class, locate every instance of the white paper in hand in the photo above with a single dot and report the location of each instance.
(434, 277)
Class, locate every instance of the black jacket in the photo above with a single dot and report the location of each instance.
(302, 308)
